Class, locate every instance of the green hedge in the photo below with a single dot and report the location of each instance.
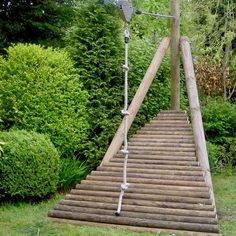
(41, 91)
(29, 166)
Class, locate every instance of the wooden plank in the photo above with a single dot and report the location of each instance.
(147, 186)
(131, 208)
(141, 215)
(135, 221)
(133, 228)
(138, 99)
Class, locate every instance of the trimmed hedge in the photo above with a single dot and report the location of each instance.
(29, 166)
(41, 91)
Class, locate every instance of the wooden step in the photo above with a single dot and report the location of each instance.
(147, 186)
(155, 148)
(131, 208)
(147, 181)
(146, 139)
(161, 153)
(148, 176)
(137, 189)
(171, 138)
(157, 157)
(171, 118)
(130, 214)
(165, 132)
(134, 221)
(134, 228)
(155, 167)
(140, 202)
(166, 128)
(157, 162)
(155, 143)
(142, 196)
(152, 171)
(169, 122)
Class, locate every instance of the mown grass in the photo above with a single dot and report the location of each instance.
(18, 219)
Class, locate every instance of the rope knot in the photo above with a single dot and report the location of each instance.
(124, 186)
(125, 68)
(125, 113)
(125, 152)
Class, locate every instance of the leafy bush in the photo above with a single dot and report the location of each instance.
(219, 120)
(71, 172)
(40, 91)
(95, 45)
(158, 96)
(213, 155)
(222, 156)
(28, 167)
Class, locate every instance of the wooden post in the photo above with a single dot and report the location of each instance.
(175, 55)
(196, 116)
(138, 99)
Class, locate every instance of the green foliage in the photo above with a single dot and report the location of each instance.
(158, 97)
(213, 155)
(34, 21)
(219, 120)
(157, 27)
(29, 166)
(71, 172)
(40, 91)
(220, 126)
(96, 47)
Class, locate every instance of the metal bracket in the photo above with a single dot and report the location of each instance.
(126, 9)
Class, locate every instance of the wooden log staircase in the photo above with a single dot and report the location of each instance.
(167, 192)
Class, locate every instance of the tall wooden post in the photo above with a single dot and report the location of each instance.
(175, 55)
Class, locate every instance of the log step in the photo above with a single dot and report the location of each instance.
(150, 166)
(157, 162)
(133, 228)
(111, 219)
(157, 157)
(144, 138)
(165, 132)
(130, 214)
(147, 181)
(148, 176)
(171, 138)
(165, 128)
(142, 196)
(155, 148)
(161, 153)
(131, 208)
(157, 143)
(147, 186)
(151, 171)
(140, 202)
(138, 189)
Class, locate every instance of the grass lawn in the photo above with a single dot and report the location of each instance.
(31, 220)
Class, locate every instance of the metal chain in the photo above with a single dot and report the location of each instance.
(125, 113)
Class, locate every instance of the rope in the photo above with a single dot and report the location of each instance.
(125, 113)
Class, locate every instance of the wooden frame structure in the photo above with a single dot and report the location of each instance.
(169, 191)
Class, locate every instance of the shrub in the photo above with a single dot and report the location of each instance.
(219, 120)
(158, 96)
(71, 172)
(95, 45)
(29, 165)
(40, 91)
(213, 155)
